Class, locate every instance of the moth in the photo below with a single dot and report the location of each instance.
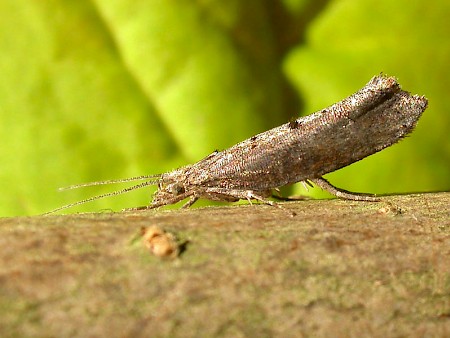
(303, 150)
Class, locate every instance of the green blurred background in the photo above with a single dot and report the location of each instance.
(95, 90)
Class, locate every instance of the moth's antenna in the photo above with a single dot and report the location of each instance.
(120, 180)
(113, 193)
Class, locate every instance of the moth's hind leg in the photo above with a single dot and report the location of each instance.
(344, 194)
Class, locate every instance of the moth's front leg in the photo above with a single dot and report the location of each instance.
(191, 201)
(213, 196)
(162, 198)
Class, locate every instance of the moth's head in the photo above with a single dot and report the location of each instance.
(171, 188)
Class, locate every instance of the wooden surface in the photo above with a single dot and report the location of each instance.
(339, 268)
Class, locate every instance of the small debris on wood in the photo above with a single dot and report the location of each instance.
(160, 243)
(390, 209)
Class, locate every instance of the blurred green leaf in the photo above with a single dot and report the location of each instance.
(94, 90)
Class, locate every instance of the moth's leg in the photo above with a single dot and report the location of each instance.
(224, 194)
(247, 195)
(144, 207)
(191, 201)
(271, 203)
(252, 195)
(290, 198)
(162, 201)
(306, 184)
(276, 194)
(325, 185)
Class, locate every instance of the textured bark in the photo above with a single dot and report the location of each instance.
(339, 268)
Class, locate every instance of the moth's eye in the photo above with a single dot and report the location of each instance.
(180, 190)
(176, 189)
